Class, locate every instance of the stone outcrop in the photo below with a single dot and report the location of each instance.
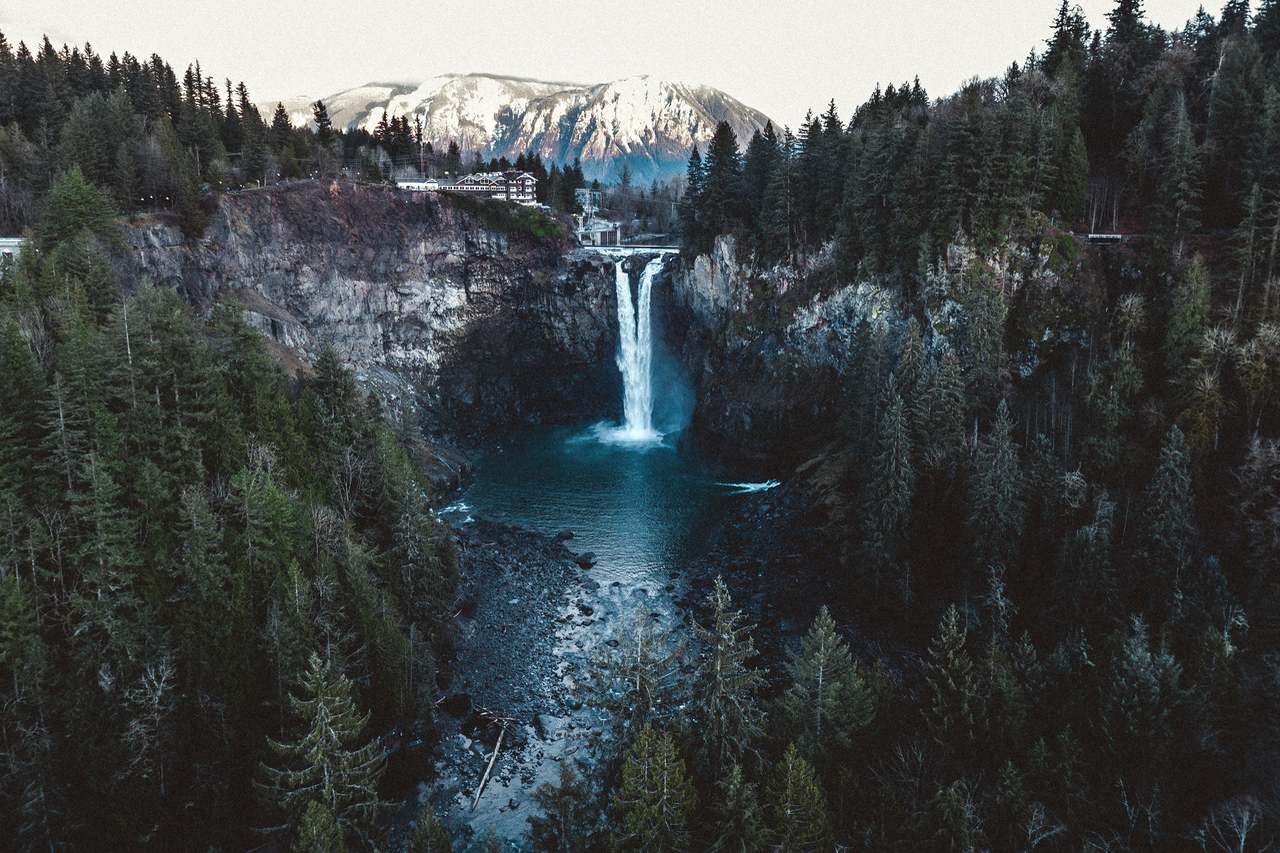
(484, 310)
(767, 350)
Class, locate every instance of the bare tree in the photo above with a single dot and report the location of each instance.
(1228, 827)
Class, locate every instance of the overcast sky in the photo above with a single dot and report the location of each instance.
(781, 56)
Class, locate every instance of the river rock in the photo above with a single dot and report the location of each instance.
(564, 536)
(586, 559)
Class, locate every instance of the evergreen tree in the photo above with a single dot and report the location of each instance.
(327, 763)
(953, 691)
(739, 824)
(1171, 533)
(692, 228)
(281, 128)
(1188, 318)
(828, 701)
(429, 835)
(938, 414)
(656, 799)
(996, 505)
(324, 125)
(890, 484)
(728, 718)
(567, 822)
(798, 811)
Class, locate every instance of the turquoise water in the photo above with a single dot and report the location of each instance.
(643, 508)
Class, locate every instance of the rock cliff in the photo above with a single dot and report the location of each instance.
(479, 305)
(767, 350)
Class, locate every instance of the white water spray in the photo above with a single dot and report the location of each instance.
(635, 356)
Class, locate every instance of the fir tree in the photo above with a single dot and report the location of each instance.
(324, 125)
(429, 835)
(567, 822)
(729, 718)
(798, 811)
(328, 763)
(828, 701)
(995, 493)
(953, 692)
(739, 824)
(655, 800)
(318, 831)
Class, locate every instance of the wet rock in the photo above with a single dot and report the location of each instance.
(587, 559)
(564, 536)
(585, 609)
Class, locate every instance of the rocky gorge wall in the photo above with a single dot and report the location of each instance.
(766, 350)
(486, 311)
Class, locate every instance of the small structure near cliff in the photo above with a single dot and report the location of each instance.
(511, 185)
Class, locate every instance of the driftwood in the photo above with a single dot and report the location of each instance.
(503, 723)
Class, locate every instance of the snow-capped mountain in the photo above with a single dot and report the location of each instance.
(648, 122)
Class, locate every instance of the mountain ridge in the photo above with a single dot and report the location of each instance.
(645, 121)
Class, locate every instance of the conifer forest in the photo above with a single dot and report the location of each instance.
(281, 568)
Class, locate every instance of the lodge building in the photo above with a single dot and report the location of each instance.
(511, 186)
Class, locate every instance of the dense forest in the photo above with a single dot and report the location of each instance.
(157, 142)
(223, 592)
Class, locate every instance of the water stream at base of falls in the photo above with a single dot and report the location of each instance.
(643, 505)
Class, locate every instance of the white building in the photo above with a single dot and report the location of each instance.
(10, 248)
(430, 185)
(599, 232)
(511, 186)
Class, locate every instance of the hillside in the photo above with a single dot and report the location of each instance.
(648, 122)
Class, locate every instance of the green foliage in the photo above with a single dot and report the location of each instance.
(739, 821)
(568, 819)
(828, 702)
(75, 205)
(727, 714)
(328, 763)
(797, 809)
(952, 710)
(656, 799)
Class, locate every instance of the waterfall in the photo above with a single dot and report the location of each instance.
(635, 354)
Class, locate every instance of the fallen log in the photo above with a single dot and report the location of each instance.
(484, 780)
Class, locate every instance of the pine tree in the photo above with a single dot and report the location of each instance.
(1141, 693)
(567, 822)
(729, 718)
(1171, 533)
(828, 700)
(953, 691)
(281, 128)
(324, 125)
(720, 197)
(327, 763)
(739, 825)
(938, 414)
(797, 809)
(318, 831)
(691, 225)
(74, 205)
(890, 483)
(656, 799)
(1188, 319)
(996, 505)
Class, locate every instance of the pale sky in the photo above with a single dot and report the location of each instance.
(780, 57)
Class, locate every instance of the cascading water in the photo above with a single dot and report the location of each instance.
(635, 356)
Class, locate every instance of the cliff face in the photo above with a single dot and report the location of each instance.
(767, 350)
(482, 311)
